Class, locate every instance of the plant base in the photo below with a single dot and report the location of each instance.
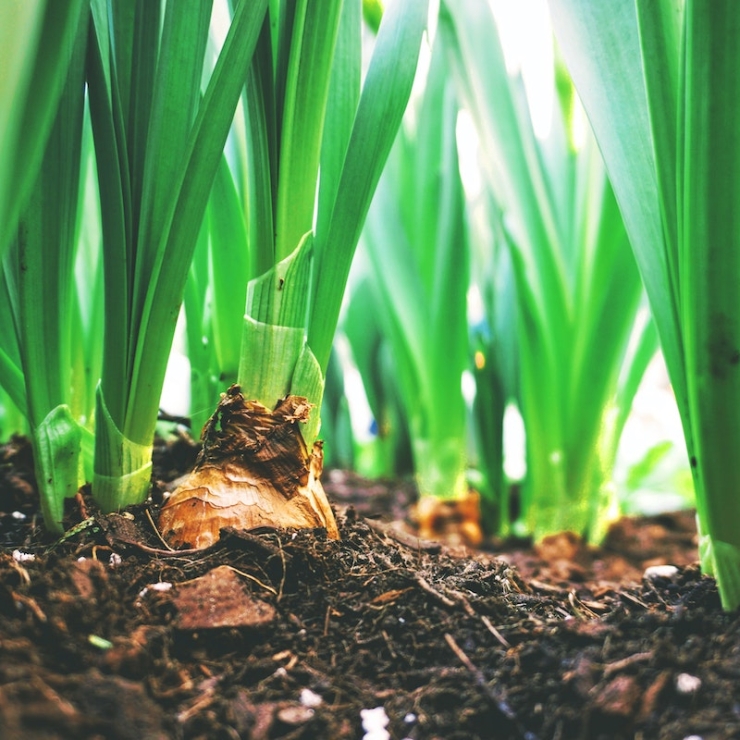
(254, 470)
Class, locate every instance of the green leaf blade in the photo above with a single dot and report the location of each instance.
(382, 103)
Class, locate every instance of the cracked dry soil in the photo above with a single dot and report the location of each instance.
(270, 634)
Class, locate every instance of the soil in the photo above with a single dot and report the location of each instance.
(269, 634)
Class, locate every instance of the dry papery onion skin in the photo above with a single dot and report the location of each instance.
(254, 470)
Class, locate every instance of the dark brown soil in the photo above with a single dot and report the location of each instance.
(277, 635)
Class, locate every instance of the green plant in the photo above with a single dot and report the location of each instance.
(42, 325)
(302, 109)
(577, 285)
(495, 356)
(159, 136)
(336, 418)
(385, 448)
(419, 264)
(659, 83)
(37, 38)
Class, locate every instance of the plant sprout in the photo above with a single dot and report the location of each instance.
(158, 142)
(417, 246)
(37, 38)
(659, 83)
(577, 286)
(39, 304)
(303, 112)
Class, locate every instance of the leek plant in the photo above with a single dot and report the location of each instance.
(198, 308)
(41, 323)
(159, 133)
(418, 253)
(215, 296)
(495, 364)
(12, 419)
(660, 85)
(577, 285)
(384, 449)
(37, 38)
(336, 419)
(304, 111)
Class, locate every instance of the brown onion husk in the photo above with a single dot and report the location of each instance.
(254, 470)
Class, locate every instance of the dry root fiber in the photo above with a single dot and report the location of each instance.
(254, 470)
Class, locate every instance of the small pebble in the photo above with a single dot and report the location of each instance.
(687, 684)
(669, 572)
(115, 560)
(310, 698)
(295, 715)
(19, 516)
(23, 557)
(374, 722)
(161, 586)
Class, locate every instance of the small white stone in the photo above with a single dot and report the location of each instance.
(374, 722)
(81, 559)
(687, 684)
(19, 516)
(115, 560)
(23, 557)
(295, 715)
(161, 586)
(669, 572)
(410, 718)
(310, 698)
(693, 737)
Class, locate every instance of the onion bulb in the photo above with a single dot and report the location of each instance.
(254, 470)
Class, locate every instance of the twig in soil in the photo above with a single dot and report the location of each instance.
(81, 505)
(577, 604)
(618, 665)
(283, 575)
(327, 619)
(32, 606)
(251, 537)
(404, 538)
(479, 677)
(633, 599)
(21, 571)
(546, 587)
(156, 531)
(501, 704)
(462, 601)
(495, 632)
(424, 585)
(201, 702)
(256, 580)
(388, 642)
(60, 704)
(165, 553)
